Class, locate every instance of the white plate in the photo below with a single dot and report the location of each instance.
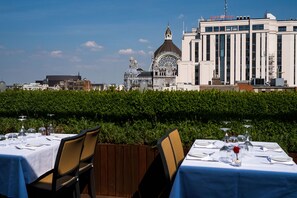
(198, 154)
(281, 158)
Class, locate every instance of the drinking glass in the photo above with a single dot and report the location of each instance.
(226, 137)
(12, 138)
(247, 143)
(22, 132)
(32, 132)
(51, 129)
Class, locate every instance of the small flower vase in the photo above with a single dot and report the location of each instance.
(236, 161)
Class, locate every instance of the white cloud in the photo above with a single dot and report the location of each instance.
(141, 40)
(141, 52)
(181, 16)
(130, 51)
(126, 51)
(56, 53)
(92, 45)
(75, 59)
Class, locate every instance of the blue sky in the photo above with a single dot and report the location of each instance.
(96, 38)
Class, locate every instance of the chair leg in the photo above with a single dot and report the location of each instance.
(91, 184)
(77, 190)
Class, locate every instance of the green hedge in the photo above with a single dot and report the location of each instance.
(141, 118)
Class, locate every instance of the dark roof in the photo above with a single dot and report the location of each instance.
(63, 77)
(167, 46)
(145, 74)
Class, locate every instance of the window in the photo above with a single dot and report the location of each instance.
(207, 47)
(222, 28)
(232, 28)
(295, 28)
(258, 27)
(196, 52)
(216, 29)
(279, 56)
(244, 27)
(282, 28)
(208, 29)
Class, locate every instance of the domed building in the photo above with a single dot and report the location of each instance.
(164, 64)
(163, 71)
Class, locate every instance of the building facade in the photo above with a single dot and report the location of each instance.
(230, 50)
(165, 64)
(136, 78)
(163, 70)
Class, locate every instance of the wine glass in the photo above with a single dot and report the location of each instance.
(42, 130)
(50, 128)
(32, 132)
(226, 137)
(248, 144)
(22, 132)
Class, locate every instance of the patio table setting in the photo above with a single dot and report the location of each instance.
(24, 158)
(215, 168)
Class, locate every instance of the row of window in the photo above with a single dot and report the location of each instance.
(233, 28)
(243, 28)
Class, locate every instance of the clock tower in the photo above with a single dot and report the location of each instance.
(165, 64)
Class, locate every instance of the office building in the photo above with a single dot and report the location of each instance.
(227, 50)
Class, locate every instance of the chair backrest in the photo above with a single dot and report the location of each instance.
(91, 137)
(167, 156)
(68, 157)
(177, 146)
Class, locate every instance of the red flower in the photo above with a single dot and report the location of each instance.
(236, 149)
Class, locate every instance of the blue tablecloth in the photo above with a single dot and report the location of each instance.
(19, 167)
(220, 182)
(256, 177)
(12, 179)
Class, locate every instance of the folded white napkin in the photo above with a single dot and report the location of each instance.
(53, 138)
(25, 147)
(269, 149)
(207, 158)
(205, 145)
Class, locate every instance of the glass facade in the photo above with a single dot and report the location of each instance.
(217, 55)
(207, 47)
(228, 59)
(197, 74)
(279, 56)
(222, 57)
(196, 52)
(247, 55)
(254, 42)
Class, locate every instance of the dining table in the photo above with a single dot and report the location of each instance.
(262, 169)
(24, 159)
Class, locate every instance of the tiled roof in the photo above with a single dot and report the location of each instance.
(167, 46)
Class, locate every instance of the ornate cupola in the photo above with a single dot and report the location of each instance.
(168, 34)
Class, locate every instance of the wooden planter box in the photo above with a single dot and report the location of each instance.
(119, 169)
